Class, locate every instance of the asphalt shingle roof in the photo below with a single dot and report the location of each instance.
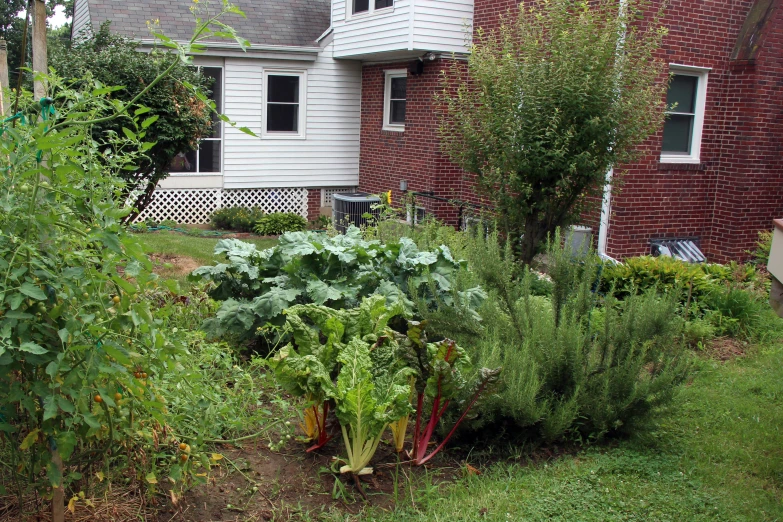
(269, 22)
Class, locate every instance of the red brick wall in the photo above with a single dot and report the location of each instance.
(313, 203)
(735, 191)
(737, 188)
(386, 157)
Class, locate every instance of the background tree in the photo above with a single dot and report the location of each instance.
(12, 27)
(183, 119)
(559, 94)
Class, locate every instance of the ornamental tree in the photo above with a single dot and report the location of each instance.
(183, 117)
(548, 103)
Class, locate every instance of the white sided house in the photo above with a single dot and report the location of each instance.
(298, 87)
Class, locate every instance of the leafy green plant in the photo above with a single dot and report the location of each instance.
(280, 223)
(760, 254)
(239, 219)
(81, 348)
(307, 367)
(367, 401)
(441, 376)
(308, 267)
(576, 364)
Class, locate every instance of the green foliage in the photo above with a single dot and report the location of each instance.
(280, 223)
(239, 219)
(82, 342)
(308, 267)
(75, 326)
(175, 121)
(551, 100)
(349, 356)
(760, 254)
(578, 364)
(731, 297)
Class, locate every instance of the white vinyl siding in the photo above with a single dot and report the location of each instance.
(328, 157)
(81, 17)
(440, 25)
(410, 25)
(367, 33)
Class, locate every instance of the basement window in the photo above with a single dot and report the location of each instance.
(394, 100)
(685, 103)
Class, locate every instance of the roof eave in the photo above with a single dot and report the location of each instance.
(232, 49)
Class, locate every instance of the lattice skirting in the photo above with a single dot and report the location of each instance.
(195, 206)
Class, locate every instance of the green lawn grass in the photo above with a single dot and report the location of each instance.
(198, 248)
(718, 455)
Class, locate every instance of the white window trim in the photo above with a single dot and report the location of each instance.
(369, 12)
(302, 124)
(702, 73)
(222, 138)
(389, 74)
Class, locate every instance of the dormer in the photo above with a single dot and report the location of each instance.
(400, 29)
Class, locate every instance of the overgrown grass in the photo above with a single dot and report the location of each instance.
(718, 455)
(198, 248)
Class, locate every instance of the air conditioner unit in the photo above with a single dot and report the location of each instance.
(350, 209)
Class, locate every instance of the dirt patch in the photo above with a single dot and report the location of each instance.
(725, 349)
(172, 265)
(293, 485)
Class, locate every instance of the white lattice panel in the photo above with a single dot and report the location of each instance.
(268, 200)
(326, 194)
(195, 206)
(192, 207)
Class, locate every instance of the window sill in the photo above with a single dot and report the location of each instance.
(395, 129)
(193, 174)
(665, 165)
(282, 136)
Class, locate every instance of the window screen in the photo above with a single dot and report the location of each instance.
(361, 6)
(380, 4)
(681, 100)
(282, 108)
(397, 100)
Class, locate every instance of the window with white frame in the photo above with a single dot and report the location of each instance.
(284, 104)
(368, 6)
(394, 100)
(207, 159)
(685, 103)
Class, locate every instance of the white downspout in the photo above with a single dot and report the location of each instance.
(606, 210)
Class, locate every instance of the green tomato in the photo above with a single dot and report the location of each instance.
(24, 188)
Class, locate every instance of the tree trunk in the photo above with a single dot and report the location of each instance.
(58, 494)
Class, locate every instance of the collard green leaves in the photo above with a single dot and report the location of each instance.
(310, 267)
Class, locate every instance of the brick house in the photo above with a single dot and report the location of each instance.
(712, 175)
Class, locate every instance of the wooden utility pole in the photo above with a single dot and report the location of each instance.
(39, 47)
(5, 103)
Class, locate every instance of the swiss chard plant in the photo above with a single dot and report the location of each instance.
(369, 397)
(308, 366)
(308, 267)
(442, 373)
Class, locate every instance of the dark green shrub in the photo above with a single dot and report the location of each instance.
(239, 219)
(280, 223)
(578, 364)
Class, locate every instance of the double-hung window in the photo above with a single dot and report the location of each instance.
(205, 160)
(394, 100)
(685, 103)
(368, 6)
(284, 104)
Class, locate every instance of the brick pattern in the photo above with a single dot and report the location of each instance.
(386, 157)
(735, 191)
